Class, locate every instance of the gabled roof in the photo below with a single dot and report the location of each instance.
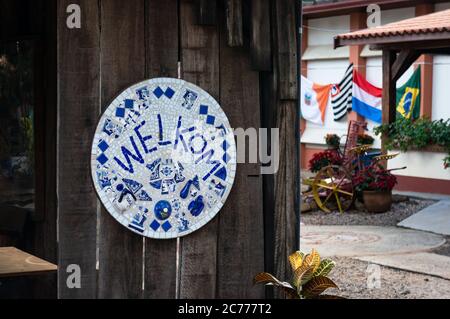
(434, 26)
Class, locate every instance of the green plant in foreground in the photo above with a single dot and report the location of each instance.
(309, 280)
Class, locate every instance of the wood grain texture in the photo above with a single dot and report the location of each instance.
(200, 58)
(260, 41)
(162, 60)
(286, 117)
(14, 262)
(286, 43)
(234, 23)
(206, 12)
(78, 109)
(286, 190)
(241, 230)
(122, 64)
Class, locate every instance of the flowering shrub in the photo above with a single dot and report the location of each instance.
(374, 178)
(364, 139)
(323, 159)
(333, 140)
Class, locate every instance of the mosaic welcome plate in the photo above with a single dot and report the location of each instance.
(163, 158)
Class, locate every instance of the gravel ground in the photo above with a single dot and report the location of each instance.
(351, 276)
(398, 212)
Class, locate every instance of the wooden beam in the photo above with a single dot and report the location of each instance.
(426, 74)
(402, 63)
(395, 41)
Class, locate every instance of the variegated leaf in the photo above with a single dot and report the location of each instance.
(296, 260)
(317, 285)
(269, 279)
(325, 267)
(313, 259)
(303, 274)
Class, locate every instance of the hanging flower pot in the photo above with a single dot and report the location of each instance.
(377, 201)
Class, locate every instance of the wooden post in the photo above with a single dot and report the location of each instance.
(389, 93)
(426, 62)
(389, 87)
(357, 22)
(78, 109)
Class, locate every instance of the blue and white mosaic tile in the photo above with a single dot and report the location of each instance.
(163, 158)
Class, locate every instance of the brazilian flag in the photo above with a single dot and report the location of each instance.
(408, 98)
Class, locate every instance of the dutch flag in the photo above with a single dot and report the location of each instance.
(366, 100)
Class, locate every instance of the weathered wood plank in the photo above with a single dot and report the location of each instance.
(122, 64)
(286, 118)
(235, 32)
(162, 60)
(286, 190)
(200, 57)
(286, 43)
(260, 45)
(241, 229)
(78, 108)
(206, 12)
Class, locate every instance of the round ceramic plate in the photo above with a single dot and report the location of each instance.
(163, 158)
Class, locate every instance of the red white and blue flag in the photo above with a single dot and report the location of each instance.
(366, 98)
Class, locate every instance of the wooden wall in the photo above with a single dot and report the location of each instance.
(243, 52)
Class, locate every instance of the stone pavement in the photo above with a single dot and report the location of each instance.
(423, 263)
(434, 218)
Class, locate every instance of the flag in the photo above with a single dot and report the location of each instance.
(366, 99)
(314, 101)
(341, 95)
(408, 97)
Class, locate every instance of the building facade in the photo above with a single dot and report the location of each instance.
(321, 63)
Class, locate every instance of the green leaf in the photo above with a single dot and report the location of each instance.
(325, 267)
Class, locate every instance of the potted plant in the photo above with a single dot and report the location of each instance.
(323, 159)
(375, 183)
(365, 139)
(333, 141)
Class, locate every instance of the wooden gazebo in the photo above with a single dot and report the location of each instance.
(402, 44)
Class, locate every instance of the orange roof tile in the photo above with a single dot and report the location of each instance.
(432, 23)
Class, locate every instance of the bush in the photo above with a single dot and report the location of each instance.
(405, 135)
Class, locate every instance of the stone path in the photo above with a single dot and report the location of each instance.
(362, 241)
(434, 218)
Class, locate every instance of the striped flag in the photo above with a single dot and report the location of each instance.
(341, 95)
(366, 98)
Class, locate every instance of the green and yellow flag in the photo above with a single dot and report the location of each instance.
(408, 97)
